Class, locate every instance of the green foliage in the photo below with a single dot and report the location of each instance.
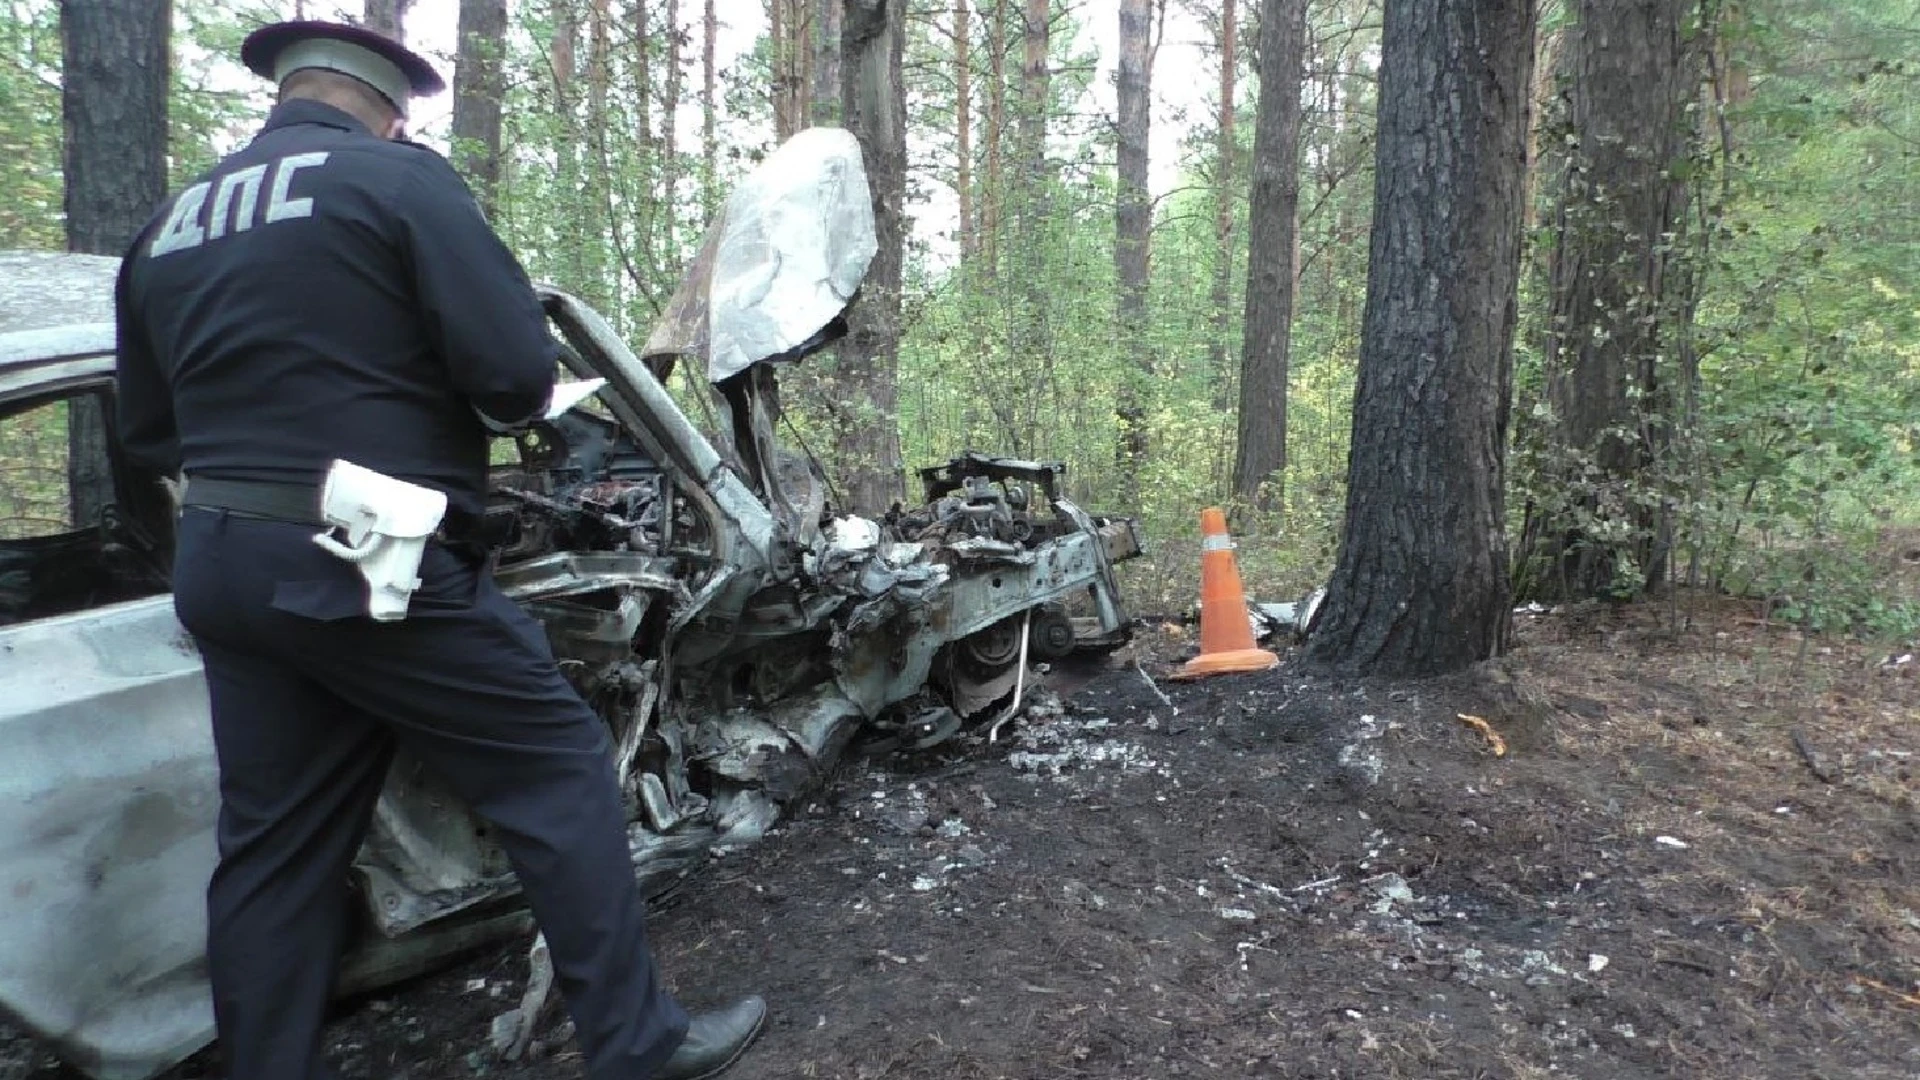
(1791, 456)
(30, 131)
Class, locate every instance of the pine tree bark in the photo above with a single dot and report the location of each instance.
(1420, 586)
(992, 212)
(963, 128)
(570, 218)
(1226, 150)
(389, 17)
(709, 113)
(1035, 90)
(1035, 327)
(873, 101)
(1260, 454)
(1619, 291)
(791, 52)
(643, 74)
(777, 47)
(116, 75)
(1133, 228)
(668, 215)
(479, 86)
(829, 15)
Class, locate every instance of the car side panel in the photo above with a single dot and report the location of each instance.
(109, 792)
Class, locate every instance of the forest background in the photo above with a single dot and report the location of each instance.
(1714, 369)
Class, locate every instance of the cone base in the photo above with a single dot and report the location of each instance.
(1227, 663)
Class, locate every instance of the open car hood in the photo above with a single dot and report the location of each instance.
(780, 265)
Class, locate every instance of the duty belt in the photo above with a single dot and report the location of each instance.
(278, 500)
(300, 504)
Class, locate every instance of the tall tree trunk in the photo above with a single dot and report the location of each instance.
(992, 214)
(1420, 586)
(479, 86)
(389, 17)
(709, 112)
(113, 103)
(643, 74)
(570, 219)
(873, 100)
(826, 61)
(791, 52)
(1260, 456)
(1033, 324)
(963, 127)
(669, 178)
(777, 60)
(1619, 292)
(1225, 151)
(595, 216)
(1035, 92)
(1133, 230)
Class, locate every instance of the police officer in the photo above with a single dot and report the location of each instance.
(331, 291)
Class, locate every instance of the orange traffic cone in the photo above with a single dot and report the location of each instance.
(1226, 631)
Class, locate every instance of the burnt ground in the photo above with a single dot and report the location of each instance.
(1700, 857)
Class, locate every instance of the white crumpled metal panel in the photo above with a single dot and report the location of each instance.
(795, 245)
(109, 794)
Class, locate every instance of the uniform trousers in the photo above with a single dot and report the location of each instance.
(310, 698)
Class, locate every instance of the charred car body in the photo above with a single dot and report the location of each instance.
(734, 633)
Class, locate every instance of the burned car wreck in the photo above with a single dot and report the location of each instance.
(736, 632)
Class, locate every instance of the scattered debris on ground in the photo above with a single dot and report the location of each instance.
(1279, 875)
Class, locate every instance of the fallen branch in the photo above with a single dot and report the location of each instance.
(1898, 995)
(1494, 740)
(1811, 757)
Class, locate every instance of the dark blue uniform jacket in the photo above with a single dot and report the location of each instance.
(325, 293)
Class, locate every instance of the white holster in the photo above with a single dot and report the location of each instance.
(387, 524)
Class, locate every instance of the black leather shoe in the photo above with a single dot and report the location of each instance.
(715, 1040)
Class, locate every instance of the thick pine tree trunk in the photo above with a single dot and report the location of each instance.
(479, 85)
(1133, 227)
(1260, 457)
(1421, 584)
(873, 100)
(1619, 291)
(113, 102)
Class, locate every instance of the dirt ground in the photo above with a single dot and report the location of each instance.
(1698, 857)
